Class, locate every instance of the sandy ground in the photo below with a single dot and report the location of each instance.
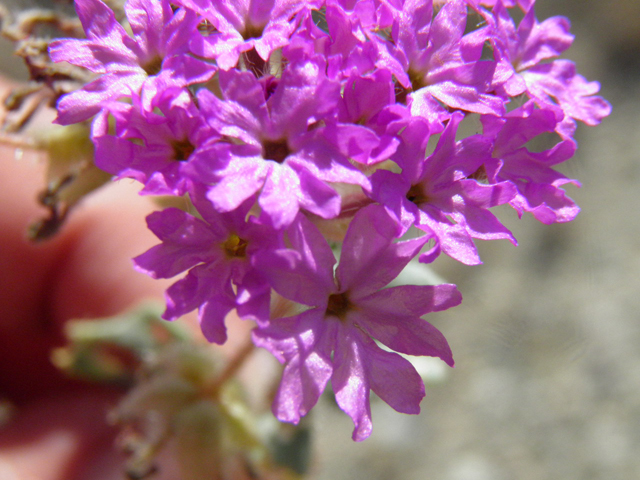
(547, 340)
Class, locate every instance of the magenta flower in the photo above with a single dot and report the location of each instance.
(364, 114)
(557, 84)
(343, 43)
(426, 58)
(156, 58)
(371, 14)
(154, 148)
(242, 25)
(554, 85)
(217, 251)
(334, 338)
(439, 195)
(530, 172)
(293, 123)
(527, 45)
(274, 146)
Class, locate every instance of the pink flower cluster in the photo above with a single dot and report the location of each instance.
(294, 126)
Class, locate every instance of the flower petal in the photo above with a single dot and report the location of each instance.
(350, 381)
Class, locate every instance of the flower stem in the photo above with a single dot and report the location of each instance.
(231, 368)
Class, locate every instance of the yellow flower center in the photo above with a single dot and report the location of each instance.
(235, 247)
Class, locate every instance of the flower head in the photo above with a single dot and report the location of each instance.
(218, 252)
(425, 55)
(273, 145)
(154, 148)
(242, 25)
(438, 193)
(156, 58)
(282, 119)
(334, 338)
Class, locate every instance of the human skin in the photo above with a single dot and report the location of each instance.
(59, 430)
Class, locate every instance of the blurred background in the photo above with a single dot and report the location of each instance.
(547, 340)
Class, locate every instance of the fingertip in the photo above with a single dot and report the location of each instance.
(96, 276)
